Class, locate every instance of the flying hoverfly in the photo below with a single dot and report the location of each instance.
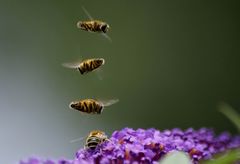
(93, 25)
(86, 65)
(95, 138)
(91, 106)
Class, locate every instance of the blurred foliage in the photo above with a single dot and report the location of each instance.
(225, 158)
(231, 114)
(233, 155)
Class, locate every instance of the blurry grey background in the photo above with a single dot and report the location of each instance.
(170, 64)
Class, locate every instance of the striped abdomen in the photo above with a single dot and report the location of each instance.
(87, 106)
(92, 142)
(90, 65)
(95, 138)
(94, 26)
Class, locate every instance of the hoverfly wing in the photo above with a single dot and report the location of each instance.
(87, 13)
(71, 65)
(91, 18)
(78, 139)
(109, 102)
(99, 73)
(106, 36)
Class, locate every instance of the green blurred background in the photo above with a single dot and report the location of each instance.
(170, 64)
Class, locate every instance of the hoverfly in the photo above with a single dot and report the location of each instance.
(91, 106)
(86, 65)
(94, 25)
(95, 138)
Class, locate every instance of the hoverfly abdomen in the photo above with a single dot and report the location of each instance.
(87, 65)
(89, 106)
(92, 142)
(93, 26)
(92, 107)
(95, 138)
(87, 25)
(90, 65)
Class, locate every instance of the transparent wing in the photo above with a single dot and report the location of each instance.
(99, 73)
(78, 139)
(91, 18)
(109, 102)
(74, 64)
(71, 65)
(106, 36)
(87, 13)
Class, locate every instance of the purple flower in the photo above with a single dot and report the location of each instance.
(149, 146)
(35, 160)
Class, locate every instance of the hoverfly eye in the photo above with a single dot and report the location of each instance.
(79, 24)
(104, 28)
(101, 61)
(72, 105)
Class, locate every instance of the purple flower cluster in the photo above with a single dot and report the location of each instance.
(149, 146)
(35, 160)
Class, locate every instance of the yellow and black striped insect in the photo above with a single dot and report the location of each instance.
(91, 106)
(93, 25)
(87, 65)
(95, 138)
